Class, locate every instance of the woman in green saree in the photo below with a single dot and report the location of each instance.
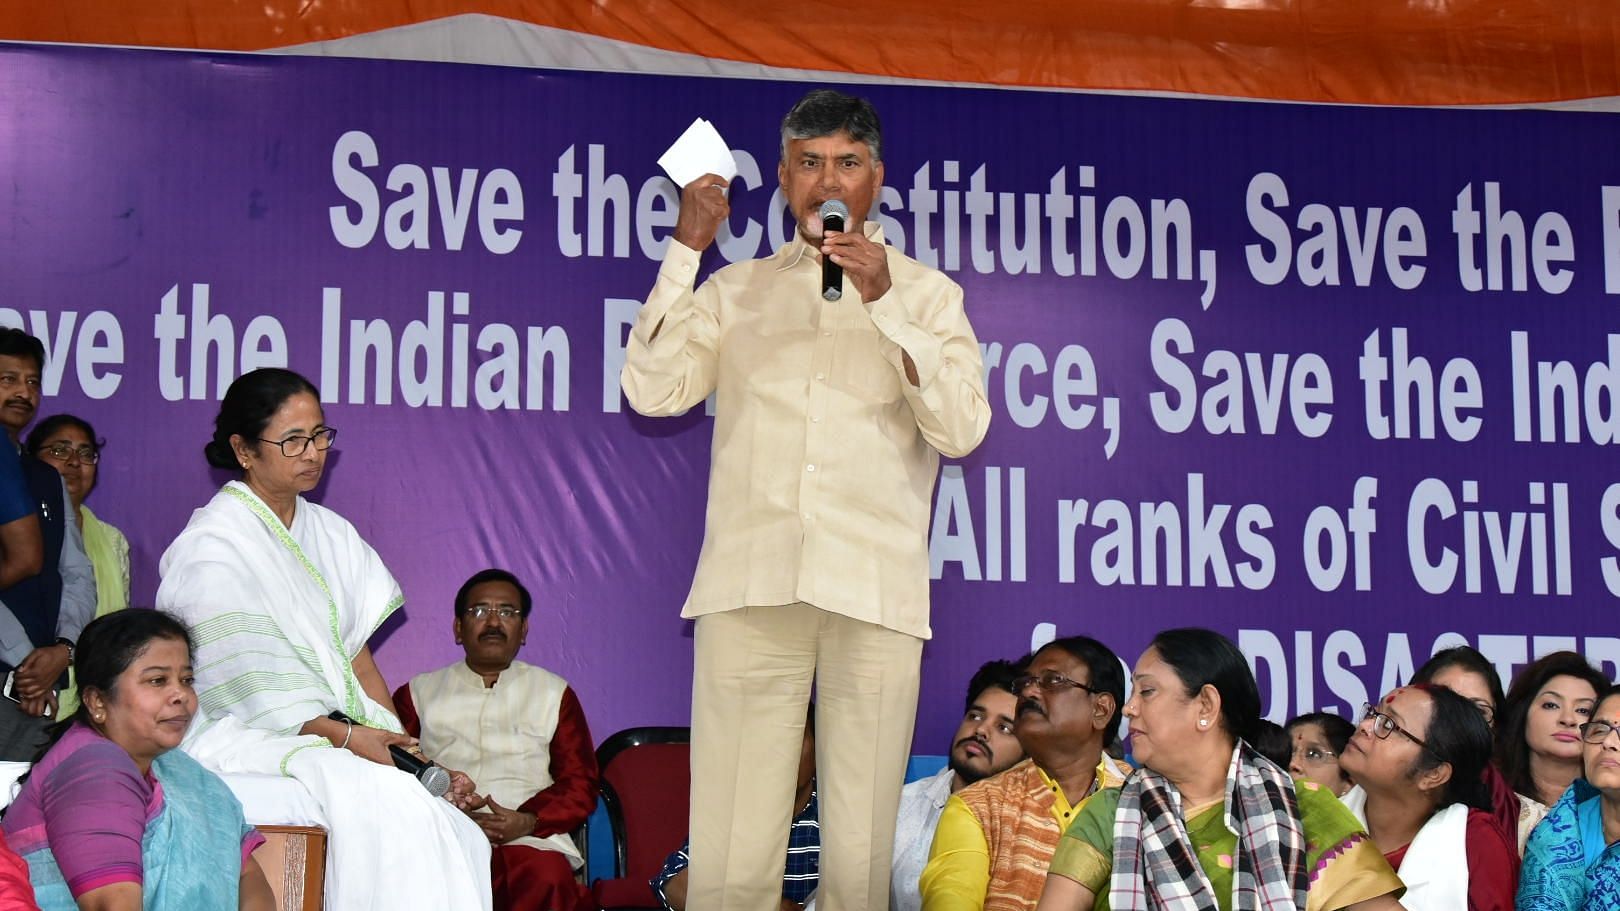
(1207, 823)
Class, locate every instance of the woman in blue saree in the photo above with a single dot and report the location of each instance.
(1572, 861)
(113, 817)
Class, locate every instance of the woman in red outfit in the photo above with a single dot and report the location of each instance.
(1416, 758)
(1469, 674)
(16, 893)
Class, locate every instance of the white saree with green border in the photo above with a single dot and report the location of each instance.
(278, 614)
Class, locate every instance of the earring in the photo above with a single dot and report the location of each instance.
(1203, 722)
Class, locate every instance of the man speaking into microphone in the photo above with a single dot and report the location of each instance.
(833, 405)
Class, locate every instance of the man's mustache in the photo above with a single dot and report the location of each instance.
(493, 634)
(1027, 704)
(975, 738)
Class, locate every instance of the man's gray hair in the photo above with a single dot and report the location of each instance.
(824, 112)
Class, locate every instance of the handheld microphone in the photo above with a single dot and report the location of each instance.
(430, 774)
(834, 214)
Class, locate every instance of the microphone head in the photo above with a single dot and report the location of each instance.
(835, 208)
(435, 779)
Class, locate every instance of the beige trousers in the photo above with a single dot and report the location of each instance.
(753, 669)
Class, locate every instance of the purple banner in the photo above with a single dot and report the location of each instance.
(1339, 382)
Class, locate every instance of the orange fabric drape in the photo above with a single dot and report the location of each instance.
(1357, 51)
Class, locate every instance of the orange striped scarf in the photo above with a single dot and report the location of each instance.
(1014, 809)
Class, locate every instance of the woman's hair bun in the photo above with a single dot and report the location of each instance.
(220, 456)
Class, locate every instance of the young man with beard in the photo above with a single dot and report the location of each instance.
(983, 745)
(41, 614)
(517, 729)
(996, 838)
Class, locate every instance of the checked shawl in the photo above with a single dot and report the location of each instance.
(1155, 868)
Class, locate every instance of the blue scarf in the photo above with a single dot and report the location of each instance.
(191, 852)
(1567, 866)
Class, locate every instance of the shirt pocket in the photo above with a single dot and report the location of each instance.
(535, 729)
(859, 366)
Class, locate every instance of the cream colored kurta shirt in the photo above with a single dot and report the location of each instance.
(500, 735)
(824, 454)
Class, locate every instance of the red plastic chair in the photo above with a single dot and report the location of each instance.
(646, 788)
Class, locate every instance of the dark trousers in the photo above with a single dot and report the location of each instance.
(21, 736)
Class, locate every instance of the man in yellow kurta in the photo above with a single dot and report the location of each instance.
(830, 418)
(519, 732)
(996, 838)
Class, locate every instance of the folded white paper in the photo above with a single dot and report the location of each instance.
(699, 151)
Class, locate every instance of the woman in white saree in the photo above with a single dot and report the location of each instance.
(281, 596)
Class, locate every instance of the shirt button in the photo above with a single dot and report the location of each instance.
(809, 468)
(815, 419)
(805, 516)
(828, 334)
(821, 376)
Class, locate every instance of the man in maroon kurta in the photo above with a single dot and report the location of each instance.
(518, 730)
